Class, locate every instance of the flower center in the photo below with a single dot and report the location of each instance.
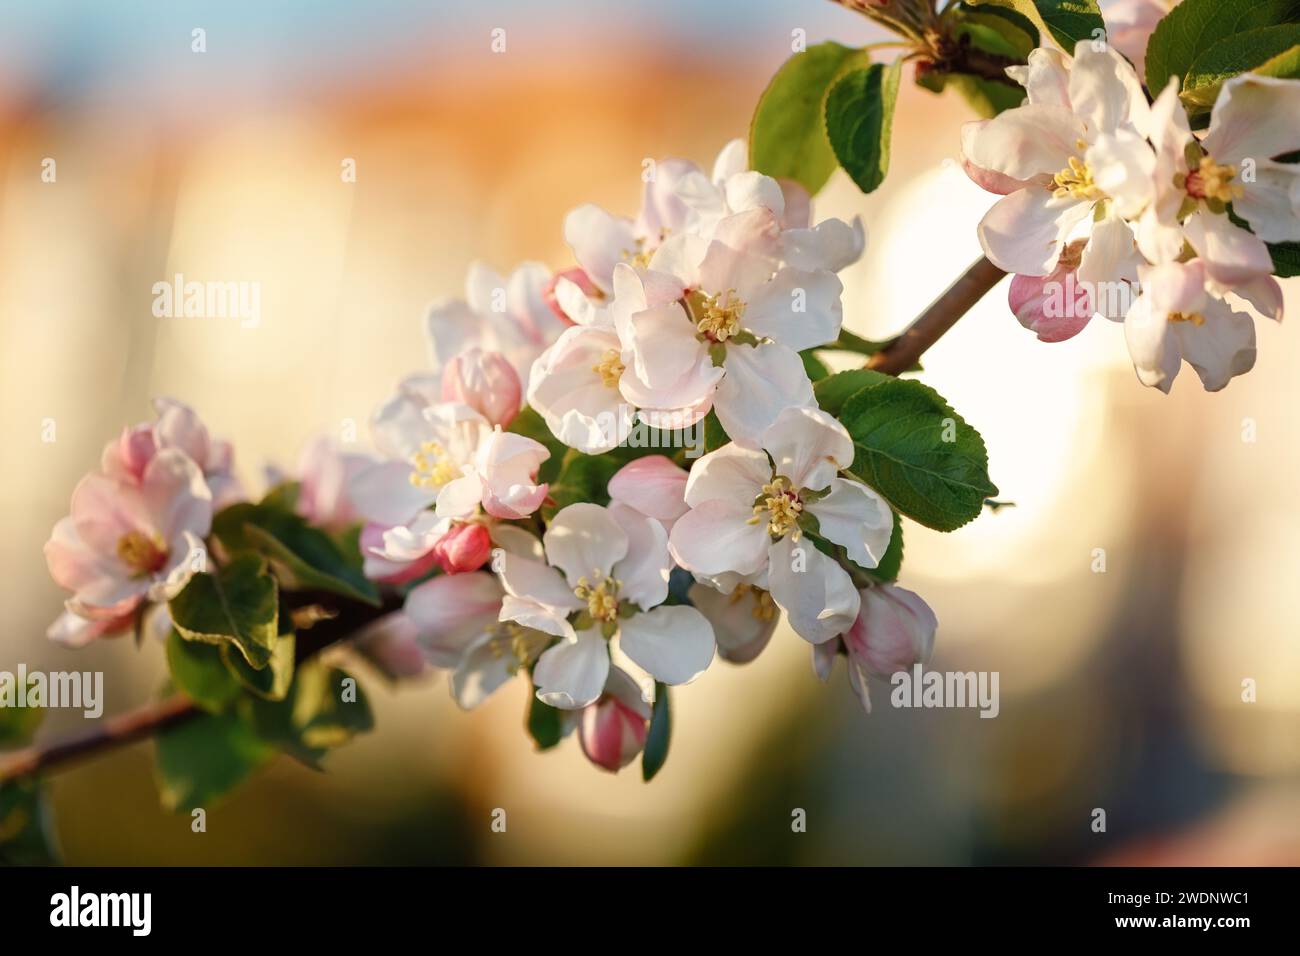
(717, 317)
(1210, 180)
(431, 467)
(601, 597)
(764, 607)
(1075, 181)
(610, 368)
(779, 504)
(1193, 317)
(521, 644)
(142, 553)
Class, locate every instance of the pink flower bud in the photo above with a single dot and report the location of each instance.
(1054, 307)
(894, 630)
(466, 547)
(486, 382)
(653, 486)
(613, 729)
(579, 278)
(127, 457)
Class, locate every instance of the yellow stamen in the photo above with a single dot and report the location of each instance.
(764, 607)
(142, 553)
(601, 598)
(431, 467)
(719, 315)
(780, 506)
(1075, 181)
(1193, 317)
(1210, 180)
(610, 368)
(520, 644)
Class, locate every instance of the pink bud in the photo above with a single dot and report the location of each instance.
(466, 547)
(1054, 307)
(579, 278)
(652, 485)
(383, 570)
(894, 630)
(486, 382)
(612, 733)
(127, 457)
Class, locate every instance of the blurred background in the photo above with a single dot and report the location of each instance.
(1120, 690)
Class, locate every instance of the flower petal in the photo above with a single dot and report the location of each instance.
(675, 644)
(808, 446)
(815, 592)
(856, 518)
(572, 673)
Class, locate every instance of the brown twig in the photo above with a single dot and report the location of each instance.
(902, 353)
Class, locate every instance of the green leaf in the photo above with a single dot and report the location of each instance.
(1194, 26)
(658, 735)
(530, 424)
(986, 97)
(814, 366)
(239, 605)
(715, 436)
(199, 671)
(545, 723)
(1013, 34)
(308, 557)
(26, 825)
(203, 758)
(325, 708)
(892, 561)
(18, 724)
(918, 453)
(283, 497)
(831, 393)
(582, 478)
(848, 342)
(1286, 258)
(859, 115)
(1274, 49)
(786, 137)
(270, 682)
(1066, 21)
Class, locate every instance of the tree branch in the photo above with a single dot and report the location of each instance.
(958, 299)
(351, 617)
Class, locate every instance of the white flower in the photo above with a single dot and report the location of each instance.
(448, 458)
(498, 314)
(1254, 119)
(1078, 141)
(743, 619)
(1175, 319)
(605, 580)
(748, 513)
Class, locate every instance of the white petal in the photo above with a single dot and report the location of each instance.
(1152, 348)
(1232, 255)
(599, 242)
(716, 537)
(1024, 231)
(481, 670)
(759, 382)
(1221, 348)
(533, 580)
(797, 308)
(644, 571)
(1026, 142)
(808, 446)
(1104, 90)
(856, 518)
(1255, 117)
(572, 673)
(731, 473)
(584, 541)
(740, 631)
(383, 493)
(815, 592)
(675, 644)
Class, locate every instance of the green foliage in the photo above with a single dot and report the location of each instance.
(918, 453)
(530, 424)
(18, 724)
(892, 562)
(305, 557)
(200, 672)
(26, 827)
(1286, 259)
(1193, 27)
(859, 117)
(715, 436)
(814, 366)
(658, 736)
(787, 138)
(545, 723)
(239, 605)
(831, 393)
(1272, 50)
(201, 759)
(1065, 21)
(324, 709)
(270, 682)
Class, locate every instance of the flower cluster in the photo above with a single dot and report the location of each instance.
(1113, 206)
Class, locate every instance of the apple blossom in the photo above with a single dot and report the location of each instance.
(894, 630)
(465, 547)
(125, 542)
(653, 486)
(1176, 319)
(605, 580)
(575, 384)
(613, 729)
(1129, 24)
(324, 474)
(391, 644)
(749, 513)
(484, 381)
(743, 619)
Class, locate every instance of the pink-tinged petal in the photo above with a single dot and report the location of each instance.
(482, 669)
(643, 573)
(731, 473)
(383, 570)
(1025, 143)
(532, 580)
(833, 244)
(1267, 203)
(688, 397)
(798, 308)
(585, 542)
(72, 564)
(755, 232)
(526, 306)
(180, 427)
(760, 382)
(673, 644)
(1045, 77)
(808, 446)
(450, 328)
(680, 256)
(1255, 117)
(1054, 307)
(652, 485)
(508, 465)
(175, 495)
(103, 511)
(817, 594)
(725, 269)
(572, 673)
(464, 548)
(1024, 232)
(1108, 269)
(599, 242)
(613, 730)
(662, 210)
(384, 494)
(1151, 345)
(742, 623)
(486, 382)
(569, 295)
(72, 630)
(986, 179)
(391, 645)
(1129, 25)
(716, 537)
(664, 345)
(533, 614)
(125, 459)
(894, 630)
(451, 612)
(1265, 294)
(798, 205)
(856, 518)
(400, 426)
(1220, 348)
(752, 190)
(1232, 255)
(580, 409)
